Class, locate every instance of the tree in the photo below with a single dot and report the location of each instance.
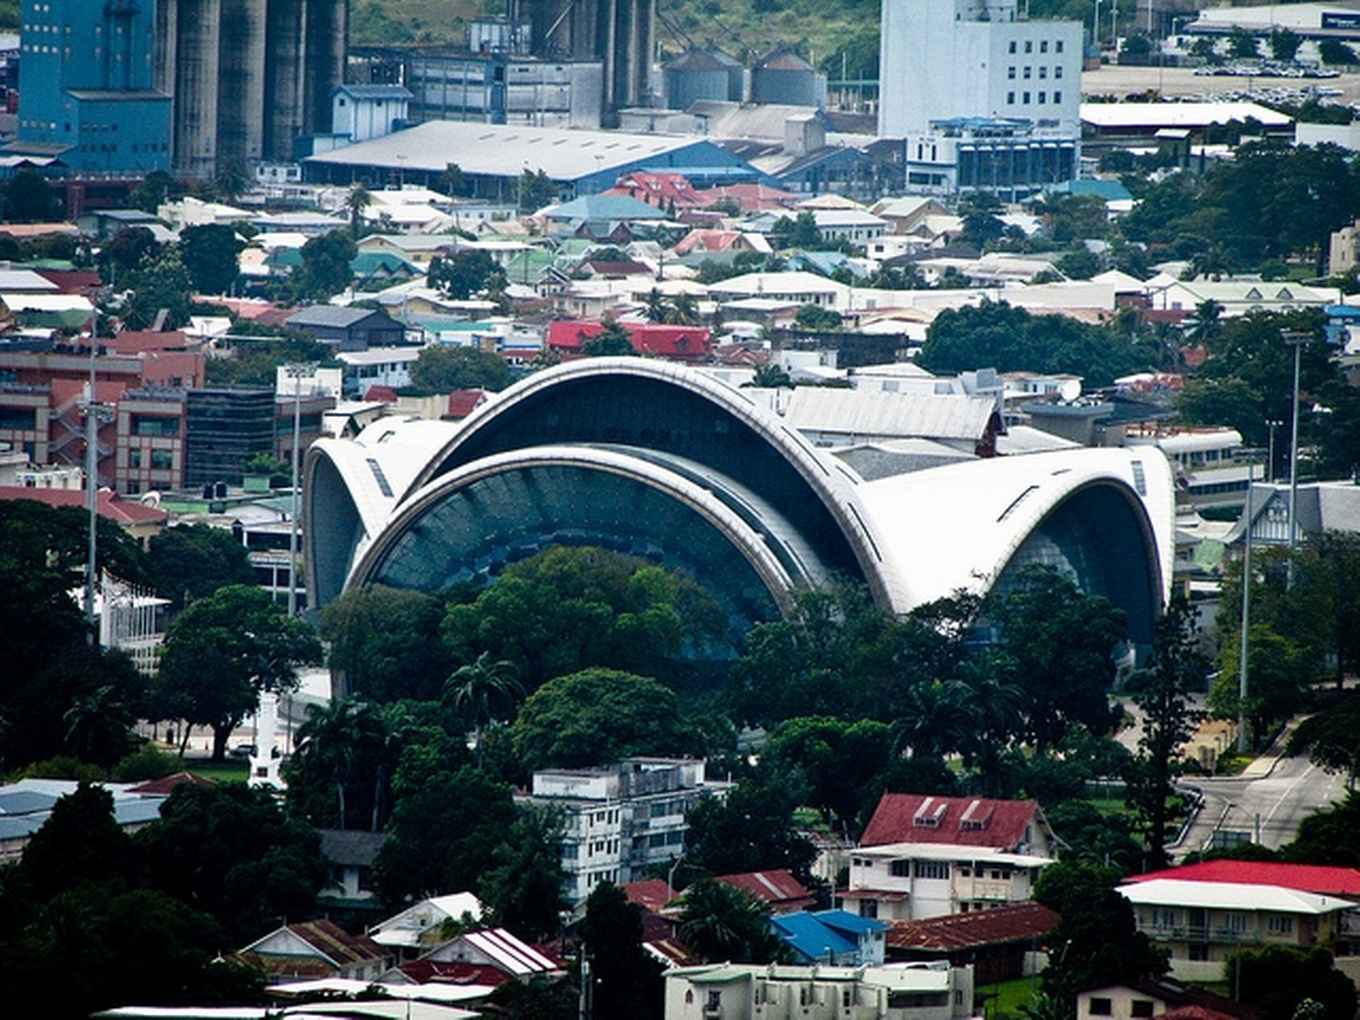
(338, 776)
(454, 180)
(750, 829)
(1242, 43)
(379, 642)
(524, 890)
(159, 283)
(191, 561)
(981, 225)
(611, 342)
(1207, 324)
(1333, 51)
(722, 923)
(1163, 693)
(684, 310)
(1206, 48)
(99, 720)
(815, 317)
(1079, 264)
(568, 608)
(536, 190)
(444, 834)
(594, 716)
(1060, 647)
(462, 274)
(29, 199)
(772, 377)
(839, 759)
(78, 842)
(1136, 45)
(210, 257)
(483, 691)
(656, 306)
(798, 232)
(1331, 739)
(1095, 837)
(153, 191)
(1328, 836)
(1097, 942)
(226, 649)
(1278, 673)
(627, 980)
(1277, 980)
(326, 269)
(444, 369)
(231, 852)
(356, 202)
(1284, 45)
(125, 251)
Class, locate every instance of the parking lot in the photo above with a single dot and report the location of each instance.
(1183, 82)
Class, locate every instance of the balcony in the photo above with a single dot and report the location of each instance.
(1199, 933)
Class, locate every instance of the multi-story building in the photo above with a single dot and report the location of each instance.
(88, 86)
(622, 818)
(150, 440)
(924, 857)
(224, 429)
(910, 991)
(984, 98)
(1203, 923)
(1211, 465)
(503, 88)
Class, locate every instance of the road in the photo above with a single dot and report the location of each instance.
(1293, 790)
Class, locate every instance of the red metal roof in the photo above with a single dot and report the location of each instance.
(680, 343)
(463, 402)
(1310, 878)
(424, 972)
(1010, 923)
(163, 786)
(1003, 822)
(72, 281)
(650, 894)
(120, 511)
(777, 887)
(137, 341)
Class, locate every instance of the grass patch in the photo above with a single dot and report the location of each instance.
(1005, 998)
(1232, 764)
(220, 772)
(1109, 806)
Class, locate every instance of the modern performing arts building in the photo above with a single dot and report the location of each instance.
(667, 463)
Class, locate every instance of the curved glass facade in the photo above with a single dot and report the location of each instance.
(659, 415)
(1098, 540)
(475, 531)
(333, 534)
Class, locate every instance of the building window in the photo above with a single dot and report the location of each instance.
(1235, 921)
(1057, 70)
(1043, 96)
(900, 869)
(1012, 46)
(1029, 46)
(1057, 46)
(1043, 71)
(1101, 1007)
(1043, 45)
(932, 869)
(1027, 73)
(134, 458)
(868, 908)
(1281, 924)
(1057, 97)
(1025, 98)
(1010, 72)
(161, 460)
(1140, 1008)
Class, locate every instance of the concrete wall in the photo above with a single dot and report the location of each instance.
(285, 53)
(196, 87)
(324, 60)
(241, 69)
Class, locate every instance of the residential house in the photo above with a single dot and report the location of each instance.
(1203, 923)
(598, 216)
(1237, 297)
(141, 522)
(1001, 944)
(618, 820)
(350, 855)
(413, 932)
(347, 329)
(668, 191)
(1320, 506)
(315, 949)
(1159, 997)
(485, 950)
(905, 213)
(797, 288)
(835, 937)
(376, 366)
(27, 803)
(751, 197)
(651, 894)
(729, 991)
(924, 856)
(709, 241)
(777, 888)
(674, 343)
(1343, 249)
(422, 249)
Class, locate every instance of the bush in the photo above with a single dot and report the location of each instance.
(64, 766)
(145, 764)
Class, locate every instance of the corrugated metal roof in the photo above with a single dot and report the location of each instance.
(1230, 896)
(857, 413)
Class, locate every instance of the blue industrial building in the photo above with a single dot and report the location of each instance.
(86, 91)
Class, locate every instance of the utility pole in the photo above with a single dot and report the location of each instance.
(1243, 743)
(91, 481)
(1296, 339)
(1270, 462)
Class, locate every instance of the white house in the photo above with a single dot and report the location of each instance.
(377, 366)
(904, 991)
(420, 926)
(368, 111)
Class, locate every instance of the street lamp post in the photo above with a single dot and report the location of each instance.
(91, 481)
(1243, 740)
(295, 371)
(1270, 459)
(1296, 339)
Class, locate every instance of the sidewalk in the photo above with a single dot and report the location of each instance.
(1264, 765)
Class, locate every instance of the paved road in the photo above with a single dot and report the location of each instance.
(1292, 791)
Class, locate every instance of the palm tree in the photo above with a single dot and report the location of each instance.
(328, 740)
(356, 202)
(97, 725)
(484, 690)
(722, 922)
(656, 306)
(684, 310)
(1208, 322)
(938, 719)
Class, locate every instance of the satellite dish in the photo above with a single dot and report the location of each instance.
(152, 498)
(1070, 390)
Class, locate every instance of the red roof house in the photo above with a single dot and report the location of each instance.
(784, 893)
(164, 786)
(994, 941)
(659, 189)
(675, 343)
(316, 949)
(1309, 878)
(463, 402)
(126, 513)
(1009, 825)
(651, 894)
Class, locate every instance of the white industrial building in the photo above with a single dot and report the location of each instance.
(984, 98)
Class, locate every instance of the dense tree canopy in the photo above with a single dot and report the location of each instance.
(380, 645)
(191, 561)
(210, 256)
(444, 369)
(463, 274)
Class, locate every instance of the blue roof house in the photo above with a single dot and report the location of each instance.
(834, 937)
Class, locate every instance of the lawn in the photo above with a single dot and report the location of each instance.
(1108, 806)
(220, 772)
(1006, 998)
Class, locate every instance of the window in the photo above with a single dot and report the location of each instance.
(1010, 98)
(868, 908)
(1029, 46)
(1025, 99)
(1057, 70)
(1043, 71)
(1027, 73)
(1010, 72)
(1043, 96)
(714, 1001)
(1280, 924)
(1101, 1007)
(1057, 97)
(1198, 952)
(1057, 46)
(1235, 921)
(932, 869)
(1140, 1008)
(161, 460)
(1012, 47)
(134, 458)
(900, 869)
(1043, 45)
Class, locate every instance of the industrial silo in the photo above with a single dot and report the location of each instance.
(702, 74)
(782, 76)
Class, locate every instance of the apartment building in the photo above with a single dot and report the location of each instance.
(924, 856)
(620, 819)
